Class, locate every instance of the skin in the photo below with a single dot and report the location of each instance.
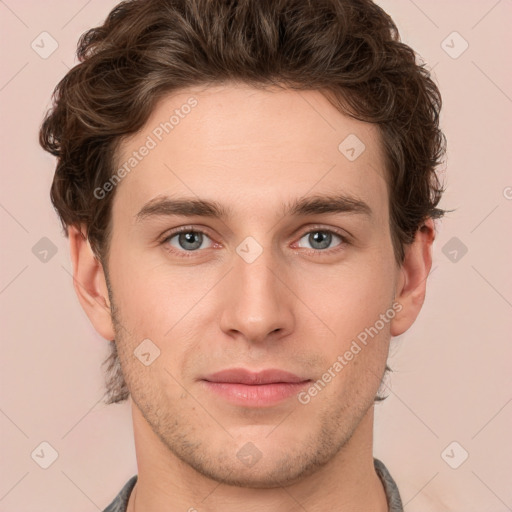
(297, 307)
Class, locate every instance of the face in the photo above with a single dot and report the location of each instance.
(296, 269)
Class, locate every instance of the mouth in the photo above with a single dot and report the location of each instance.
(254, 389)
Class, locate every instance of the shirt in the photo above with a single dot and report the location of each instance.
(393, 496)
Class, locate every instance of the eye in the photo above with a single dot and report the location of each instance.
(188, 240)
(321, 239)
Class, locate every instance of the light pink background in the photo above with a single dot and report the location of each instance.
(452, 371)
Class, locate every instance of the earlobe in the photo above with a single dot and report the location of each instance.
(90, 283)
(412, 281)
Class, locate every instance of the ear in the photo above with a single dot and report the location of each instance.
(90, 283)
(412, 282)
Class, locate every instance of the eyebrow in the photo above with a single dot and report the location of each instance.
(310, 205)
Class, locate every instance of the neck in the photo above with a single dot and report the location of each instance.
(348, 482)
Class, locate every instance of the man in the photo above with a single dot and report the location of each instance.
(249, 191)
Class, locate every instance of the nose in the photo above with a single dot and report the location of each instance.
(258, 301)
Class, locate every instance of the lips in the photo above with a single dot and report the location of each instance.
(243, 376)
(244, 388)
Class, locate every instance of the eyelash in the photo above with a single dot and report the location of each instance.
(315, 252)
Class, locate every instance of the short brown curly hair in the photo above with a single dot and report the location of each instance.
(350, 50)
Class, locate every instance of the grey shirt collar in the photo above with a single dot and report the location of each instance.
(120, 503)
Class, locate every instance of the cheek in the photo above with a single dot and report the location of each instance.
(351, 296)
(351, 303)
(155, 300)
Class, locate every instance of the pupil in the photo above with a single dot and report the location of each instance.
(191, 238)
(322, 238)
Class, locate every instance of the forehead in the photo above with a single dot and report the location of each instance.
(240, 143)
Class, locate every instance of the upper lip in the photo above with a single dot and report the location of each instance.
(243, 376)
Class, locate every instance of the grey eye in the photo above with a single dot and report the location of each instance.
(320, 239)
(187, 240)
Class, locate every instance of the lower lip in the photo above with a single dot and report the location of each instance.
(260, 395)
